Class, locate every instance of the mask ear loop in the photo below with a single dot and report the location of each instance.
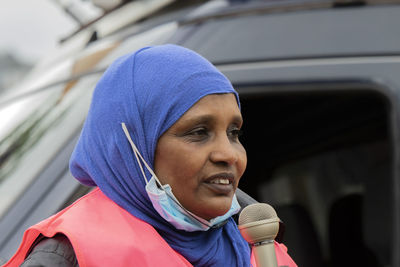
(137, 155)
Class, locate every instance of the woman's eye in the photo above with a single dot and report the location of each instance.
(235, 133)
(197, 134)
(201, 131)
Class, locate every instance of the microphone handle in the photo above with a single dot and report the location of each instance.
(264, 254)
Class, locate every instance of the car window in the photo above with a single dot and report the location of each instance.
(34, 128)
(323, 159)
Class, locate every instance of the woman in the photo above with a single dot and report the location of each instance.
(161, 144)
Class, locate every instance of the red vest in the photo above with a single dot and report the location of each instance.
(110, 236)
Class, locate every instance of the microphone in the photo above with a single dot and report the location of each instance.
(259, 225)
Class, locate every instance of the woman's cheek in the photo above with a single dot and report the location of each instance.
(242, 162)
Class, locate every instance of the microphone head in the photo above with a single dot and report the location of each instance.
(258, 223)
(256, 212)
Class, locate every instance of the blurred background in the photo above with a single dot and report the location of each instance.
(31, 29)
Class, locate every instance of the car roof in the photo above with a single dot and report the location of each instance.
(300, 33)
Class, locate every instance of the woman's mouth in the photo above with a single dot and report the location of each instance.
(221, 184)
(220, 181)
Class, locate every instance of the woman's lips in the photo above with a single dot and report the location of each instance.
(221, 183)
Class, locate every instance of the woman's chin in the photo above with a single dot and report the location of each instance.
(218, 210)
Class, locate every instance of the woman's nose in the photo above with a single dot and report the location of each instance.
(223, 151)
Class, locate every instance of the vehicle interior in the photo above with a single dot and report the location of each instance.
(322, 158)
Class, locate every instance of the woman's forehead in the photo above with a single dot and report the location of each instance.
(214, 101)
(211, 106)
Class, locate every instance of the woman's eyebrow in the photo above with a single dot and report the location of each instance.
(209, 118)
(238, 119)
(199, 119)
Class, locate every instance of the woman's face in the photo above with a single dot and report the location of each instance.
(201, 158)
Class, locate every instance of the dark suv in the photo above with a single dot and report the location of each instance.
(320, 90)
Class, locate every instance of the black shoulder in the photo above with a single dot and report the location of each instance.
(55, 251)
(244, 199)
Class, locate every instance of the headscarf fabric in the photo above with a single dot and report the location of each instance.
(149, 90)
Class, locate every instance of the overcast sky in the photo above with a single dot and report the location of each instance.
(29, 28)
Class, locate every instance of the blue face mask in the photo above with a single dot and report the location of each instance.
(168, 206)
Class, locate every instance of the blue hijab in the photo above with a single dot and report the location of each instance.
(150, 90)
